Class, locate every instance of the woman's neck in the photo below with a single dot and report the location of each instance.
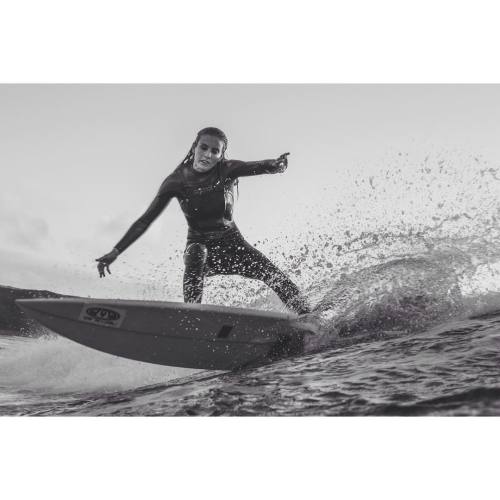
(198, 172)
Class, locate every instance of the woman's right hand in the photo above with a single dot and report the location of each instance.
(105, 261)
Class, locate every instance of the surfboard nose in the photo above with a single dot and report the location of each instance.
(34, 308)
(37, 307)
(50, 312)
(25, 304)
(28, 305)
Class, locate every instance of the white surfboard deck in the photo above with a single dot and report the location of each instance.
(172, 333)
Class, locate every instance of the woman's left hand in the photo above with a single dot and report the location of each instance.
(281, 163)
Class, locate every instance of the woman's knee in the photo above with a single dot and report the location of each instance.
(195, 255)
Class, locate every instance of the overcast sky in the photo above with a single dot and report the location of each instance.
(80, 162)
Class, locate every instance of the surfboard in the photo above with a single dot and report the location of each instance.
(171, 333)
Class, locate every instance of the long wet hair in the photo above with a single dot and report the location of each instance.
(212, 131)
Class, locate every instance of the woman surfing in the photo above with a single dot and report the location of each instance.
(203, 184)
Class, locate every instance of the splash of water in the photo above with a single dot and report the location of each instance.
(403, 249)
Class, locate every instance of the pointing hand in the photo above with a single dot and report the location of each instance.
(281, 163)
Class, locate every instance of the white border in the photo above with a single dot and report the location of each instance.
(261, 41)
(274, 41)
(248, 458)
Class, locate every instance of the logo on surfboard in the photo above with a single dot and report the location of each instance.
(105, 316)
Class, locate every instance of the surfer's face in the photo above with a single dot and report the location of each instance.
(207, 152)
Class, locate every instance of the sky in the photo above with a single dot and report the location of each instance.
(79, 163)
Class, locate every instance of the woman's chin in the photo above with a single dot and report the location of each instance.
(202, 168)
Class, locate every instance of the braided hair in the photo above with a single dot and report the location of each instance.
(212, 131)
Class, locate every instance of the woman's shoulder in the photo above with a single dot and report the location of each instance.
(228, 166)
(173, 182)
(230, 163)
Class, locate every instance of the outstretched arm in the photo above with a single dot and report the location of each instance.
(137, 229)
(238, 168)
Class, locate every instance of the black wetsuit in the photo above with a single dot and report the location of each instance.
(214, 243)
